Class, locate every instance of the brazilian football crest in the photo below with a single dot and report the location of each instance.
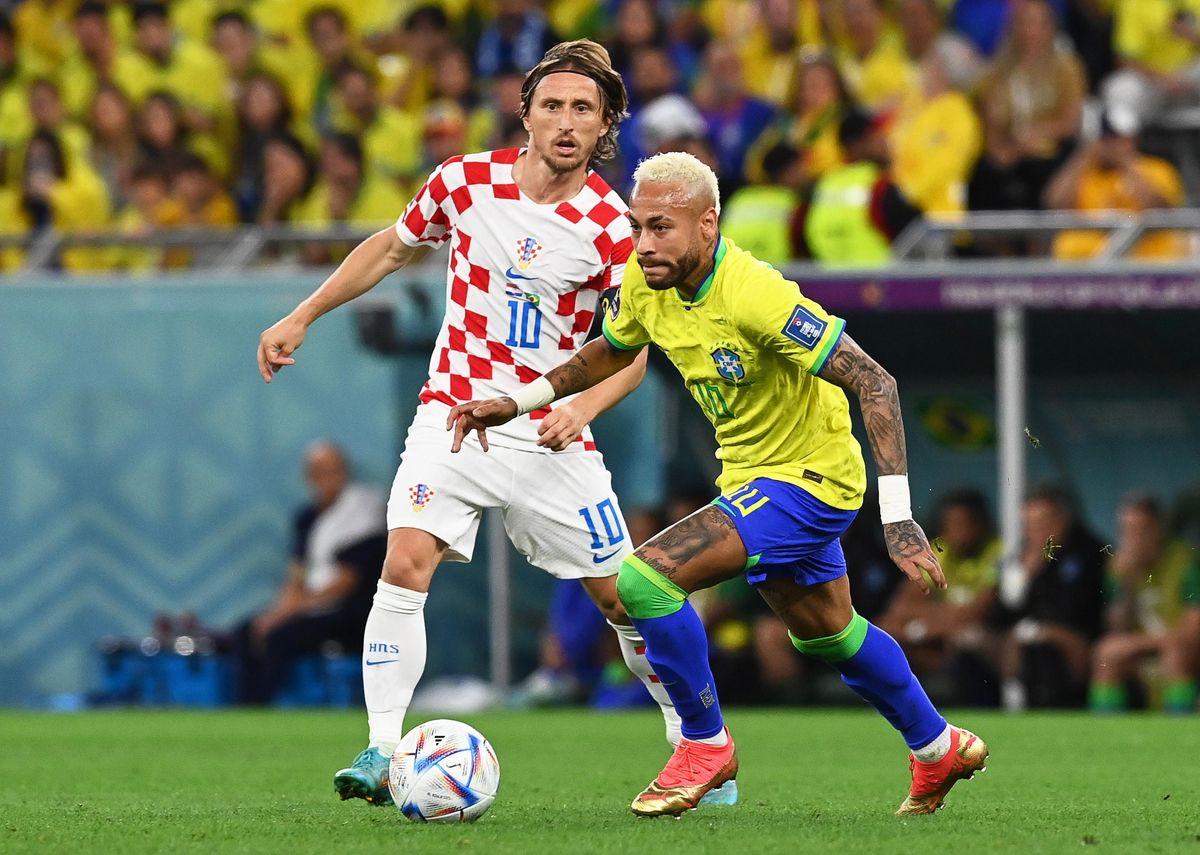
(420, 495)
(729, 364)
(527, 251)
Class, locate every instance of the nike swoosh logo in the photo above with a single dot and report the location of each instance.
(512, 274)
(600, 559)
(381, 661)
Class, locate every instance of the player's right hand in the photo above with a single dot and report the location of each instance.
(477, 415)
(909, 549)
(277, 344)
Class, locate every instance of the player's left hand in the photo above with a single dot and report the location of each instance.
(561, 427)
(478, 415)
(909, 549)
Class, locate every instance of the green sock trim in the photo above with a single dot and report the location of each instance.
(1106, 697)
(645, 592)
(835, 648)
(752, 561)
(1179, 696)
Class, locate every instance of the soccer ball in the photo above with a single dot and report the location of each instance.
(444, 771)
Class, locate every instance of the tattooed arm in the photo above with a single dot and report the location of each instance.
(592, 364)
(851, 368)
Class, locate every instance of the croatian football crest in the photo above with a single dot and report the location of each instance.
(420, 494)
(729, 364)
(805, 328)
(527, 251)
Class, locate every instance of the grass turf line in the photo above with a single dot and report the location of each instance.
(135, 781)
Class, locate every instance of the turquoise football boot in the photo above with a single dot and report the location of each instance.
(366, 778)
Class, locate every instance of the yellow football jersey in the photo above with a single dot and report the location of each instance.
(749, 347)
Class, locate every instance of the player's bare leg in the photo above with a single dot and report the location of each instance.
(603, 591)
(824, 625)
(654, 583)
(393, 658)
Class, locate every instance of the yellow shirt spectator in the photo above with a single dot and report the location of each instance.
(44, 34)
(884, 79)
(70, 195)
(1143, 33)
(375, 202)
(934, 149)
(1110, 187)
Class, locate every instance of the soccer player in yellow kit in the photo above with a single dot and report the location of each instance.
(768, 367)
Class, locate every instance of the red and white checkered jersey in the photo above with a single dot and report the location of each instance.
(522, 285)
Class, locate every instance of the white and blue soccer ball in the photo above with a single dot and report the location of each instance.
(444, 771)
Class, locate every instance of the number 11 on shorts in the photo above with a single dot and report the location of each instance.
(614, 529)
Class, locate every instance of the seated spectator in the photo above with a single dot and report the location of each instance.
(735, 118)
(638, 25)
(757, 217)
(14, 109)
(454, 82)
(935, 142)
(53, 191)
(1109, 174)
(205, 202)
(1158, 53)
(333, 49)
(408, 56)
(338, 547)
(247, 58)
(1031, 103)
(114, 144)
(515, 39)
(391, 138)
(263, 114)
(653, 79)
(1153, 581)
(164, 138)
(287, 180)
(854, 211)
(811, 125)
(149, 207)
(345, 192)
(774, 48)
(946, 631)
(923, 31)
(874, 65)
(95, 60)
(164, 60)
(49, 115)
(1052, 606)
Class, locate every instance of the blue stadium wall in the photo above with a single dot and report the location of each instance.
(145, 467)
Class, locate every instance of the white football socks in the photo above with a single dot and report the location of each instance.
(633, 649)
(935, 750)
(393, 660)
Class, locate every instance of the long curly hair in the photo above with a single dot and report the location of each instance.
(590, 59)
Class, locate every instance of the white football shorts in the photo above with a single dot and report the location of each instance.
(559, 509)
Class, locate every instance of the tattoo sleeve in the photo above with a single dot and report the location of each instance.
(595, 362)
(852, 369)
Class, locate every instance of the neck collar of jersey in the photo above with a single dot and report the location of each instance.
(706, 285)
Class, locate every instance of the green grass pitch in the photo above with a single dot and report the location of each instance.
(811, 781)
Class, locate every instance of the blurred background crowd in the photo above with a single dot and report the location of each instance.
(1070, 621)
(831, 123)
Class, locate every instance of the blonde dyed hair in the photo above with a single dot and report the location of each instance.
(679, 167)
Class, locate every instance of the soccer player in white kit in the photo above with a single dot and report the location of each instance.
(535, 238)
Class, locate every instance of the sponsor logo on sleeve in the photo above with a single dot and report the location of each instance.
(805, 328)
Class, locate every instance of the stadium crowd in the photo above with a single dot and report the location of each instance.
(831, 123)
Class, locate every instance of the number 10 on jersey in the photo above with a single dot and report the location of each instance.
(524, 324)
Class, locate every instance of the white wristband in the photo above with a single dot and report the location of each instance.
(533, 396)
(894, 502)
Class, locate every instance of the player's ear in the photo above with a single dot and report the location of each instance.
(708, 223)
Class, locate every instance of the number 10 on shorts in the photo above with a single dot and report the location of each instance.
(614, 530)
